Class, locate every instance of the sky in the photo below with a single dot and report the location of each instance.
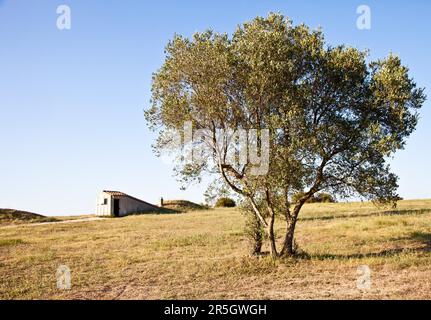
(72, 100)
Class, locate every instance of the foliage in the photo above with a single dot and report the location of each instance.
(215, 190)
(226, 203)
(253, 229)
(334, 118)
(317, 198)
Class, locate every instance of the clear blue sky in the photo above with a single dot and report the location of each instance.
(71, 101)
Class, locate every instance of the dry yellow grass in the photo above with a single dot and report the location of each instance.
(203, 255)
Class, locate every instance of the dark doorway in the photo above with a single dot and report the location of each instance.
(116, 207)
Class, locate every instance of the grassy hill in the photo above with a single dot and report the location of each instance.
(203, 255)
(182, 205)
(12, 216)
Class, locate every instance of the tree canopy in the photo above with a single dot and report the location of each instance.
(331, 117)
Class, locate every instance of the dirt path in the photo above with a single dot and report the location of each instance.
(55, 222)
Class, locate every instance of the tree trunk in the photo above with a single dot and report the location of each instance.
(288, 249)
(271, 235)
(257, 248)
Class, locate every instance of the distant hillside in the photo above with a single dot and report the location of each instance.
(12, 216)
(182, 205)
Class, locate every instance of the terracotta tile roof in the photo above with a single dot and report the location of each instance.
(122, 194)
(115, 193)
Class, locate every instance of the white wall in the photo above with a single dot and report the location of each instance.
(101, 209)
(130, 206)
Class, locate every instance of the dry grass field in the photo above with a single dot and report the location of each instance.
(203, 255)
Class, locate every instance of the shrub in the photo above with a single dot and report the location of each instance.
(254, 233)
(318, 198)
(325, 198)
(297, 196)
(225, 203)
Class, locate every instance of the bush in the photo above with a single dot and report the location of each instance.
(297, 196)
(225, 203)
(318, 198)
(325, 198)
(254, 233)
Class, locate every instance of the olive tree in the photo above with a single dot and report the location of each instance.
(329, 117)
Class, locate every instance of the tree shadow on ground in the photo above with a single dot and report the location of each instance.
(423, 238)
(371, 214)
